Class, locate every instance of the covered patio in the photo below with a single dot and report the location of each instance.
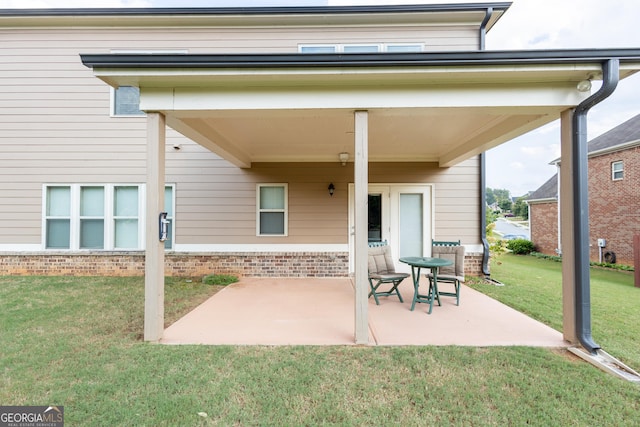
(320, 312)
(438, 107)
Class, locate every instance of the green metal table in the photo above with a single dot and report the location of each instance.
(433, 264)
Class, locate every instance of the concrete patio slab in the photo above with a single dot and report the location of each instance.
(479, 321)
(274, 311)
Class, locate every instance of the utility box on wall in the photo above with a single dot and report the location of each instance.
(602, 243)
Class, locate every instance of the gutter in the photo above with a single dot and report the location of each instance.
(569, 57)
(483, 27)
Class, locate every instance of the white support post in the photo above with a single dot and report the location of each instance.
(565, 209)
(154, 252)
(361, 178)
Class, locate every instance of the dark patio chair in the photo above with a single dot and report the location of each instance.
(453, 274)
(382, 271)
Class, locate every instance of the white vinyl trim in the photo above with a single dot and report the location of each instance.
(260, 248)
(20, 247)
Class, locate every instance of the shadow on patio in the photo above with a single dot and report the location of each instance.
(308, 311)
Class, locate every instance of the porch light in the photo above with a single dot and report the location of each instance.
(332, 188)
(343, 158)
(584, 86)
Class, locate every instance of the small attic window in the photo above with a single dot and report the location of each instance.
(126, 101)
(617, 170)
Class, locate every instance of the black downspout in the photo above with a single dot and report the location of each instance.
(579, 161)
(483, 216)
(483, 27)
(483, 177)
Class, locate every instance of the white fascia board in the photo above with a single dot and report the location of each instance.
(192, 99)
(156, 99)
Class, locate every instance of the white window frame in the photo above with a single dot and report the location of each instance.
(285, 210)
(617, 171)
(344, 47)
(109, 204)
(340, 47)
(46, 217)
(109, 217)
(419, 46)
(107, 193)
(319, 46)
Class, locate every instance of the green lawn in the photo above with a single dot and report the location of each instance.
(534, 286)
(77, 342)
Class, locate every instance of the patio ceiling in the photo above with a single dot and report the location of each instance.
(442, 135)
(442, 108)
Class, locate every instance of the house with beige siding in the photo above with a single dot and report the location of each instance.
(271, 141)
(614, 199)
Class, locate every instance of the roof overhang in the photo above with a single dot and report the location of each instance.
(605, 151)
(459, 13)
(441, 107)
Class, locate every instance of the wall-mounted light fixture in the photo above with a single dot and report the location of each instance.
(343, 158)
(331, 189)
(584, 85)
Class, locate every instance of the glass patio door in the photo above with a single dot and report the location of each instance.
(400, 214)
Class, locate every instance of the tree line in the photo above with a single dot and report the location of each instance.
(499, 201)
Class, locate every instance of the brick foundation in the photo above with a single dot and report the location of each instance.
(473, 264)
(286, 264)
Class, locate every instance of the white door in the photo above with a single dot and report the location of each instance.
(400, 214)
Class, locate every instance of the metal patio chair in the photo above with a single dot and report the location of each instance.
(382, 271)
(453, 274)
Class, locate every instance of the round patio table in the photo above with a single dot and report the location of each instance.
(433, 264)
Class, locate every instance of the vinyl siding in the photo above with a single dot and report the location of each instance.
(221, 206)
(244, 40)
(55, 127)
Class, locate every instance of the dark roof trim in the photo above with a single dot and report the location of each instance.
(275, 10)
(359, 59)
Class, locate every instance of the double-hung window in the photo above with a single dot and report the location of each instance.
(92, 217)
(98, 217)
(126, 216)
(617, 170)
(272, 210)
(58, 217)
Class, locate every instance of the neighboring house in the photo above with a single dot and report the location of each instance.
(614, 198)
(237, 122)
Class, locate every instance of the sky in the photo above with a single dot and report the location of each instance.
(520, 165)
